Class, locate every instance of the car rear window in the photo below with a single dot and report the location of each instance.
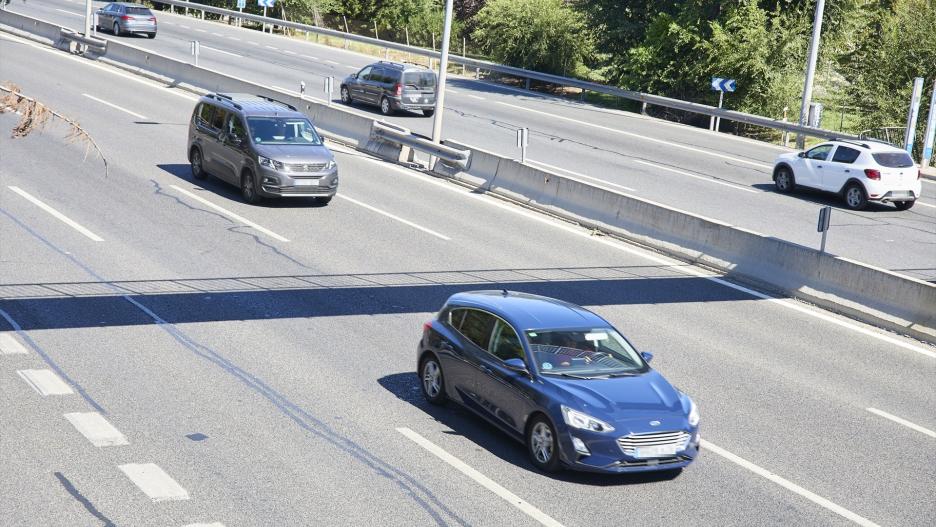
(893, 159)
(423, 79)
(139, 11)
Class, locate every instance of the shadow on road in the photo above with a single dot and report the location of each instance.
(231, 192)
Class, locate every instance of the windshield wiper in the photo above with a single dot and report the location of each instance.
(570, 375)
(623, 374)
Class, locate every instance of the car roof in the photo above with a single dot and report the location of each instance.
(527, 312)
(131, 4)
(400, 66)
(871, 145)
(253, 104)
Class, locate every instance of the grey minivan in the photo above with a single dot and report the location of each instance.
(125, 18)
(265, 147)
(392, 86)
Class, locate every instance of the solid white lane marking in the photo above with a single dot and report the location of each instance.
(480, 478)
(230, 214)
(815, 498)
(642, 137)
(70, 12)
(696, 176)
(393, 217)
(112, 105)
(45, 382)
(58, 215)
(9, 345)
(96, 429)
(901, 421)
(222, 51)
(621, 246)
(579, 174)
(480, 98)
(154, 482)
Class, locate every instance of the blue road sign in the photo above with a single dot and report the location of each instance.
(720, 84)
(266, 3)
(241, 4)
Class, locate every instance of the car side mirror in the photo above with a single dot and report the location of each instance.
(801, 154)
(517, 365)
(647, 356)
(354, 75)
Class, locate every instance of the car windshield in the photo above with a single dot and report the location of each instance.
(893, 159)
(584, 353)
(282, 131)
(425, 79)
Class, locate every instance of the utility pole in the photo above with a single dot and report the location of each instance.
(89, 19)
(810, 70)
(443, 67)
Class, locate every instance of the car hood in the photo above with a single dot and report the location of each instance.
(623, 399)
(295, 153)
(788, 156)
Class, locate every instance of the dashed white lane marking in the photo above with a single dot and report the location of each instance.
(578, 174)
(112, 105)
(45, 382)
(154, 482)
(200, 30)
(473, 96)
(331, 61)
(450, 90)
(394, 217)
(215, 524)
(641, 137)
(58, 215)
(217, 34)
(69, 12)
(183, 26)
(9, 345)
(96, 429)
(288, 52)
(230, 214)
(480, 478)
(222, 51)
(232, 38)
(815, 498)
(270, 47)
(696, 176)
(898, 420)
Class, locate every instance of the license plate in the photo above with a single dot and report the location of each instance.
(413, 98)
(656, 451)
(307, 182)
(900, 194)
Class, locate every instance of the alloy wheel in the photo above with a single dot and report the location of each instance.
(541, 442)
(432, 379)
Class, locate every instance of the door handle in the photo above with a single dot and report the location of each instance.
(485, 369)
(446, 345)
(818, 166)
(847, 171)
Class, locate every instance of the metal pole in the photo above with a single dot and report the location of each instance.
(346, 30)
(443, 70)
(910, 133)
(810, 70)
(721, 98)
(88, 19)
(265, 24)
(464, 52)
(195, 51)
(930, 134)
(822, 247)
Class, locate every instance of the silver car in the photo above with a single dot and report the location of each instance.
(265, 147)
(123, 18)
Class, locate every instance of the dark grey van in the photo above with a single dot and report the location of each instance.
(265, 147)
(392, 86)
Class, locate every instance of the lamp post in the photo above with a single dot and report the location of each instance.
(810, 70)
(89, 19)
(443, 67)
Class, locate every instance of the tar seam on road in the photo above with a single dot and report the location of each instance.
(82, 500)
(407, 483)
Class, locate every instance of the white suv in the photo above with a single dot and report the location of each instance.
(859, 171)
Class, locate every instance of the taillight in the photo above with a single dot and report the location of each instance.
(870, 173)
(427, 326)
(125, 17)
(152, 19)
(398, 89)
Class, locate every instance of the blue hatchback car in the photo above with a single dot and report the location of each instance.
(560, 379)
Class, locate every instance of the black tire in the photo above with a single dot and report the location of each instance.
(431, 380)
(544, 456)
(428, 113)
(346, 95)
(197, 163)
(784, 180)
(324, 200)
(249, 189)
(116, 29)
(151, 35)
(854, 196)
(904, 205)
(385, 107)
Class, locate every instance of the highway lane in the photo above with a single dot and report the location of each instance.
(715, 175)
(341, 353)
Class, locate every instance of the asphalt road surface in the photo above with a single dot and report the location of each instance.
(172, 356)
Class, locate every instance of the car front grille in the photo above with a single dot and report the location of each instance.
(303, 167)
(630, 443)
(652, 462)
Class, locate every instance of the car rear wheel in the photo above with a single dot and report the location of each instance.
(784, 180)
(428, 113)
(855, 197)
(542, 444)
(433, 383)
(116, 29)
(198, 169)
(248, 189)
(345, 95)
(385, 107)
(151, 35)
(904, 205)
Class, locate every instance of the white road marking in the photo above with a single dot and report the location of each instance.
(815, 498)
(200, 30)
(217, 34)
(473, 96)
(230, 214)
(112, 105)
(70, 12)
(253, 43)
(288, 52)
(45, 382)
(480, 478)
(215, 524)
(642, 137)
(925, 204)
(621, 246)
(393, 217)
(578, 174)
(330, 61)
(689, 174)
(270, 47)
(9, 345)
(232, 38)
(65, 219)
(311, 57)
(222, 51)
(154, 482)
(901, 421)
(450, 90)
(183, 26)
(96, 429)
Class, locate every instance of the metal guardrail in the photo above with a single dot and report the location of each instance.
(95, 44)
(655, 100)
(402, 136)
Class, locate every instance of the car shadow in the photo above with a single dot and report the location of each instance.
(462, 422)
(824, 198)
(232, 193)
(375, 111)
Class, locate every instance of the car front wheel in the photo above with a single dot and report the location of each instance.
(543, 444)
(248, 189)
(198, 169)
(784, 180)
(855, 197)
(345, 95)
(433, 383)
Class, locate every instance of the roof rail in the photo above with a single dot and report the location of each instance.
(390, 62)
(271, 99)
(223, 97)
(851, 142)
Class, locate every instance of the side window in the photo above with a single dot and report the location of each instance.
(379, 75)
(365, 74)
(204, 114)
(820, 153)
(455, 318)
(843, 154)
(477, 327)
(505, 344)
(217, 119)
(236, 128)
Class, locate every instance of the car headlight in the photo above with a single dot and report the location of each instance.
(577, 419)
(269, 163)
(331, 164)
(693, 413)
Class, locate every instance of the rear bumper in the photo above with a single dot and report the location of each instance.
(400, 104)
(138, 27)
(890, 193)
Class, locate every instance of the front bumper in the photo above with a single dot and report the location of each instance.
(275, 184)
(605, 456)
